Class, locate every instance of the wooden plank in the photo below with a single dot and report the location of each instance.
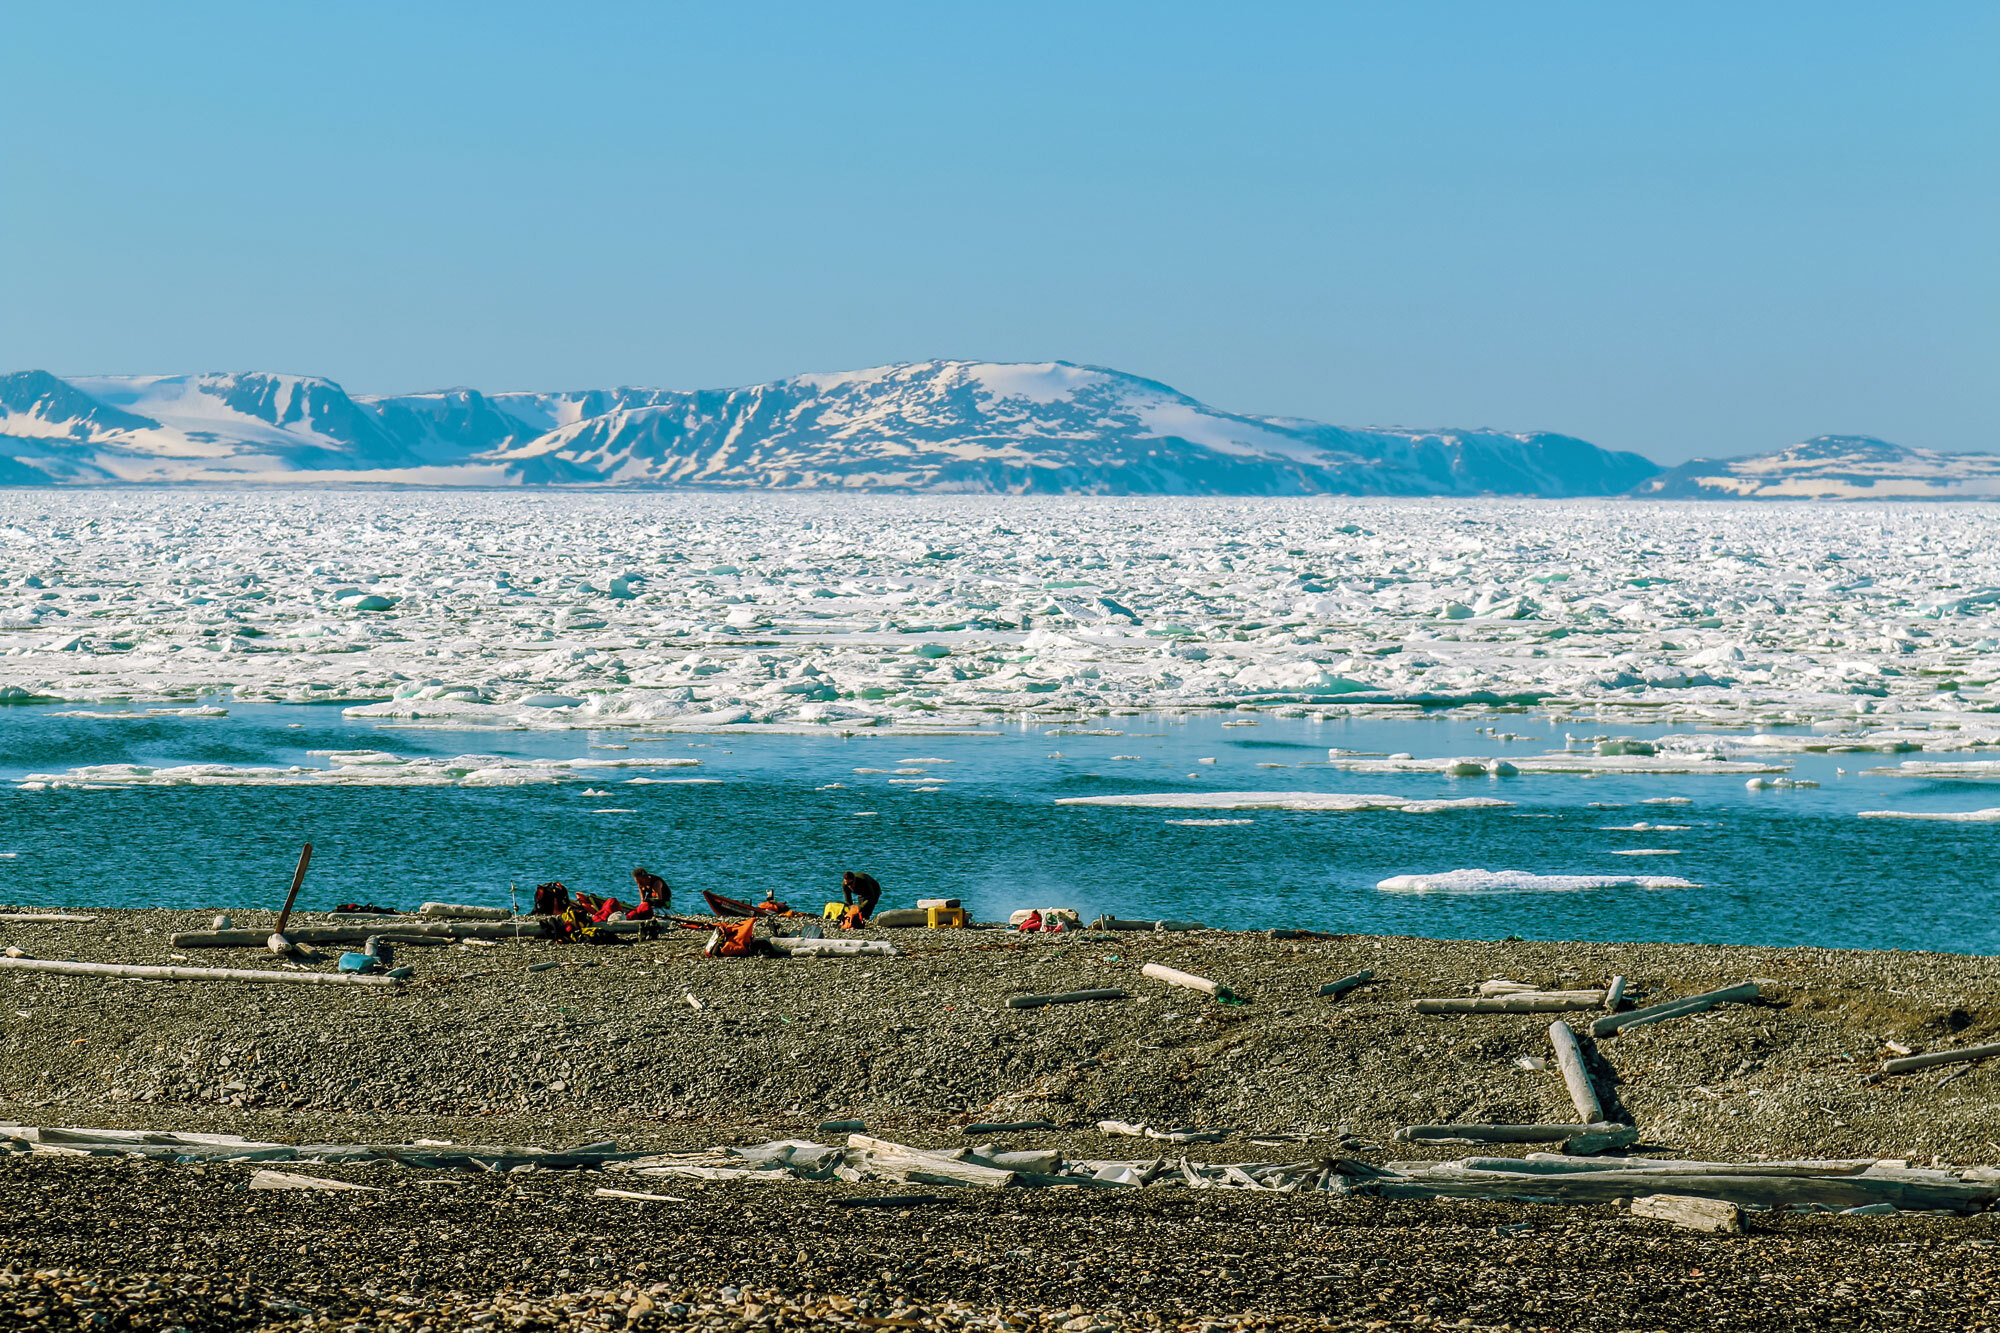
(1693, 1004)
(1569, 1058)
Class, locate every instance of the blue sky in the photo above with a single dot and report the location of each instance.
(1687, 229)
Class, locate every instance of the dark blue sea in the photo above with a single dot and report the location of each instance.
(1774, 867)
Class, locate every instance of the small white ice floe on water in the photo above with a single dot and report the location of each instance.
(1522, 881)
(1209, 823)
(1942, 816)
(1329, 802)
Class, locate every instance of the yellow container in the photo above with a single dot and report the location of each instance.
(834, 911)
(947, 917)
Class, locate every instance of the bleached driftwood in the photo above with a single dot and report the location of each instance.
(464, 912)
(637, 1196)
(1689, 1213)
(526, 928)
(1521, 1002)
(1065, 997)
(47, 918)
(148, 973)
(929, 1168)
(1614, 995)
(1693, 1004)
(1007, 1126)
(801, 946)
(1502, 1133)
(287, 1179)
(1336, 989)
(1453, 1180)
(1925, 1061)
(1539, 1163)
(1569, 1058)
(1173, 976)
(291, 897)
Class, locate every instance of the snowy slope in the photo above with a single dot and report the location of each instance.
(937, 425)
(1048, 428)
(151, 428)
(1833, 467)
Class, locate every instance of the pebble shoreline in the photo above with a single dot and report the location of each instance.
(605, 1046)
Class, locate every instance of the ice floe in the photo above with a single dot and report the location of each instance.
(1942, 816)
(884, 615)
(1331, 802)
(352, 768)
(1513, 765)
(1521, 881)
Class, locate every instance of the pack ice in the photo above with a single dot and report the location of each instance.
(1878, 625)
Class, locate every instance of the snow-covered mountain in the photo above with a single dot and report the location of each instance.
(1833, 467)
(935, 426)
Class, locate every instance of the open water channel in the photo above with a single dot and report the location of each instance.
(977, 817)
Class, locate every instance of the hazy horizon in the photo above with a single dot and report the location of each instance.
(1704, 232)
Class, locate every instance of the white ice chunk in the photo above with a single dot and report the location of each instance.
(1521, 881)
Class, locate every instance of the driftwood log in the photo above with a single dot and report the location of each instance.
(1691, 1214)
(464, 912)
(1065, 997)
(1569, 1058)
(147, 973)
(1336, 989)
(1007, 1127)
(1173, 976)
(526, 928)
(1693, 1004)
(1925, 1061)
(1913, 1190)
(1502, 1133)
(929, 1168)
(802, 946)
(1520, 1002)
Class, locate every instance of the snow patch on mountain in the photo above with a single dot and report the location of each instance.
(1833, 467)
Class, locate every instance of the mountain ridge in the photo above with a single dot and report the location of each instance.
(949, 426)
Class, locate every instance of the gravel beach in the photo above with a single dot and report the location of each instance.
(608, 1045)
